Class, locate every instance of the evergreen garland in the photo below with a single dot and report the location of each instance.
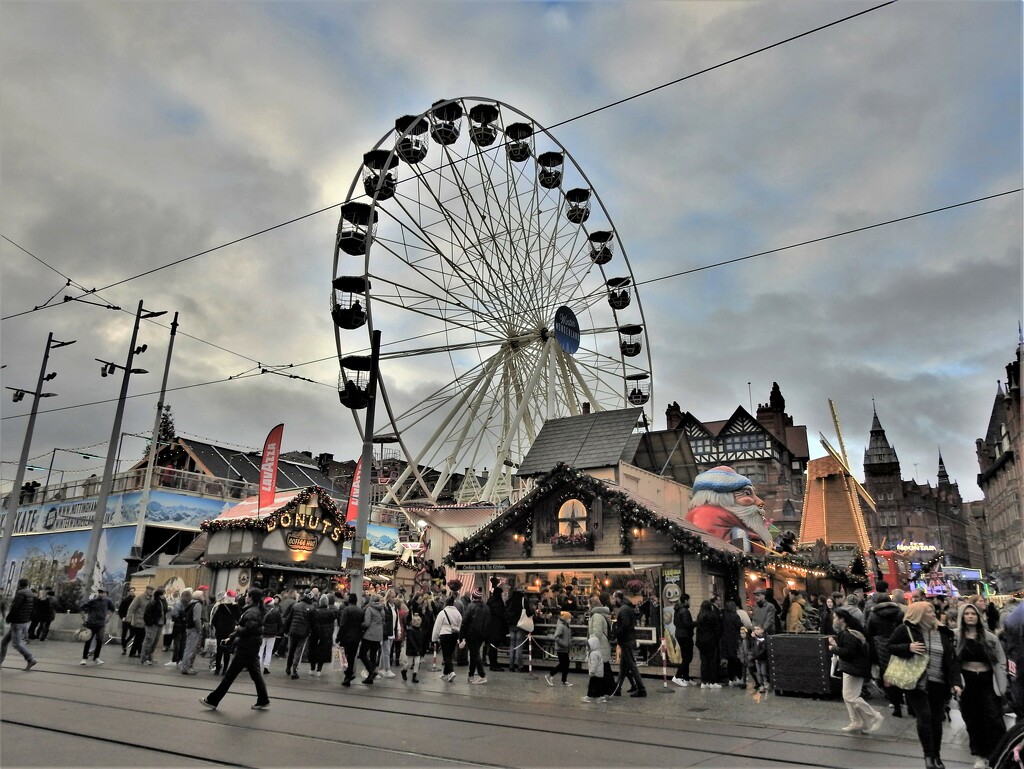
(631, 515)
(324, 502)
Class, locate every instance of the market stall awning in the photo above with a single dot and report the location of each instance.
(250, 507)
(556, 564)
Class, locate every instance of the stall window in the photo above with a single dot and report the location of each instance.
(235, 541)
(572, 518)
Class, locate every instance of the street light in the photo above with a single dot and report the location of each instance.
(19, 477)
(89, 572)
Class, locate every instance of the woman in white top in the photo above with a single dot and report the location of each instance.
(447, 625)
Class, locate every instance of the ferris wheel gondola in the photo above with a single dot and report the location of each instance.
(474, 259)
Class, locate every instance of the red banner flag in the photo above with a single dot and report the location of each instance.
(268, 466)
(353, 495)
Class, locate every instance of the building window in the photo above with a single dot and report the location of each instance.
(701, 445)
(572, 518)
(745, 442)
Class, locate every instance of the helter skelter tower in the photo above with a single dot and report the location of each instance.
(478, 247)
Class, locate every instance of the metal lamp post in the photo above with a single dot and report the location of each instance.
(140, 528)
(89, 571)
(19, 477)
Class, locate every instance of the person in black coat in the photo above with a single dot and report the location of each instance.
(223, 619)
(247, 638)
(350, 633)
(851, 647)
(921, 633)
(682, 621)
(730, 642)
(498, 631)
(625, 634)
(708, 639)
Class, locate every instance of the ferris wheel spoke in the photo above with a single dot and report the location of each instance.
(426, 236)
(456, 313)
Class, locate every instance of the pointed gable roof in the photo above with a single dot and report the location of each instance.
(879, 451)
(586, 441)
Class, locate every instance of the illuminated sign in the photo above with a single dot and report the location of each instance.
(307, 519)
(302, 541)
(915, 547)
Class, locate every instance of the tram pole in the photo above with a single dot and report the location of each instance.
(360, 551)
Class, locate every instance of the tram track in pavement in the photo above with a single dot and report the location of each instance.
(423, 714)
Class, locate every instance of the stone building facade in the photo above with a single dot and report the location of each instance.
(1002, 482)
(909, 512)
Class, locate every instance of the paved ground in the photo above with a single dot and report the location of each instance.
(122, 715)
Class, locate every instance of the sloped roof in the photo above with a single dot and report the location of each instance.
(587, 441)
(668, 453)
(250, 507)
(222, 462)
(829, 511)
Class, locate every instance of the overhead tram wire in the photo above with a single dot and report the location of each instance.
(827, 237)
(247, 375)
(554, 125)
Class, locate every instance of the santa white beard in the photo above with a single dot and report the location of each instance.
(751, 515)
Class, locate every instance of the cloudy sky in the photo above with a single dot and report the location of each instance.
(136, 135)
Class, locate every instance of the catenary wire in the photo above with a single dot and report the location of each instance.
(555, 125)
(247, 375)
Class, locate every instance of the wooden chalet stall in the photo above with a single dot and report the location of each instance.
(578, 531)
(295, 542)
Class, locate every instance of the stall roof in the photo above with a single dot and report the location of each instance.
(250, 507)
(586, 441)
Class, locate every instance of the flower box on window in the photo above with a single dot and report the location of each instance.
(583, 541)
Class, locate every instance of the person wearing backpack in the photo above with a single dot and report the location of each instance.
(851, 647)
(192, 621)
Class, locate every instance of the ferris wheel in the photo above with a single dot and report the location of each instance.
(476, 245)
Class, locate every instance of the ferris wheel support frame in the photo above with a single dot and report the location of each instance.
(474, 409)
(487, 372)
(502, 454)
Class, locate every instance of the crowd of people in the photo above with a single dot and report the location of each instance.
(960, 648)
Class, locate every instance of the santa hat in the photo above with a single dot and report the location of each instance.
(231, 594)
(721, 478)
(269, 599)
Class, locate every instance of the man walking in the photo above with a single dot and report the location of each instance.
(19, 618)
(350, 632)
(136, 618)
(192, 619)
(625, 626)
(154, 618)
(97, 610)
(248, 636)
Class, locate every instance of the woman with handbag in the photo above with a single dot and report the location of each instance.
(983, 668)
(850, 647)
(924, 664)
(447, 626)
(520, 624)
